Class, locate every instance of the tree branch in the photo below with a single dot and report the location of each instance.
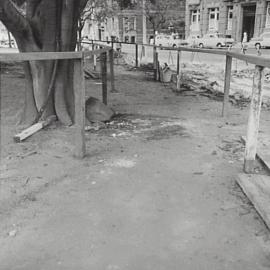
(82, 5)
(14, 21)
(32, 7)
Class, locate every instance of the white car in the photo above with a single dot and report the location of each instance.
(262, 41)
(215, 40)
(163, 40)
(169, 41)
(193, 40)
(177, 42)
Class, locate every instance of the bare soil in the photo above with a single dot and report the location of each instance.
(155, 191)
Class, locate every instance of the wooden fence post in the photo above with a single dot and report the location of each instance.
(136, 55)
(154, 56)
(94, 56)
(254, 120)
(227, 84)
(79, 95)
(112, 70)
(103, 69)
(179, 53)
(143, 50)
(156, 67)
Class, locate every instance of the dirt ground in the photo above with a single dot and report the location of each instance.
(156, 190)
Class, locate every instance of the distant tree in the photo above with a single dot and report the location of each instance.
(96, 10)
(156, 12)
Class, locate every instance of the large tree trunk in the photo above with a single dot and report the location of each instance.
(47, 26)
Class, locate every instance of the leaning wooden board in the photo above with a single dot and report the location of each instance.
(257, 189)
(263, 151)
(33, 129)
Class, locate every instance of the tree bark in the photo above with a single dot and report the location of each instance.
(47, 26)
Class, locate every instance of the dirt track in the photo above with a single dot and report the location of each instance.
(156, 190)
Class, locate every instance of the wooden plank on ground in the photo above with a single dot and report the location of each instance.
(103, 68)
(263, 152)
(257, 189)
(33, 129)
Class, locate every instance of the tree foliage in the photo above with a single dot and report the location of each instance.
(158, 12)
(97, 10)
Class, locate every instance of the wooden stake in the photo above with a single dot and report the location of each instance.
(179, 53)
(156, 66)
(79, 95)
(254, 119)
(112, 71)
(154, 56)
(227, 83)
(103, 68)
(136, 55)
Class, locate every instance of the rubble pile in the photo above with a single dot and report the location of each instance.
(150, 127)
(209, 81)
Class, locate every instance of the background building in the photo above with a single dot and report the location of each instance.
(230, 17)
(107, 30)
(131, 23)
(127, 25)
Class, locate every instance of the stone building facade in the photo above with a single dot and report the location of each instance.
(229, 17)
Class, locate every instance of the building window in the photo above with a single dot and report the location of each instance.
(267, 23)
(213, 19)
(195, 20)
(129, 24)
(230, 18)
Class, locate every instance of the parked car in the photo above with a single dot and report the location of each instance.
(262, 41)
(163, 40)
(169, 41)
(193, 40)
(215, 40)
(177, 41)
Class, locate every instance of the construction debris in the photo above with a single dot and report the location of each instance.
(209, 82)
(96, 111)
